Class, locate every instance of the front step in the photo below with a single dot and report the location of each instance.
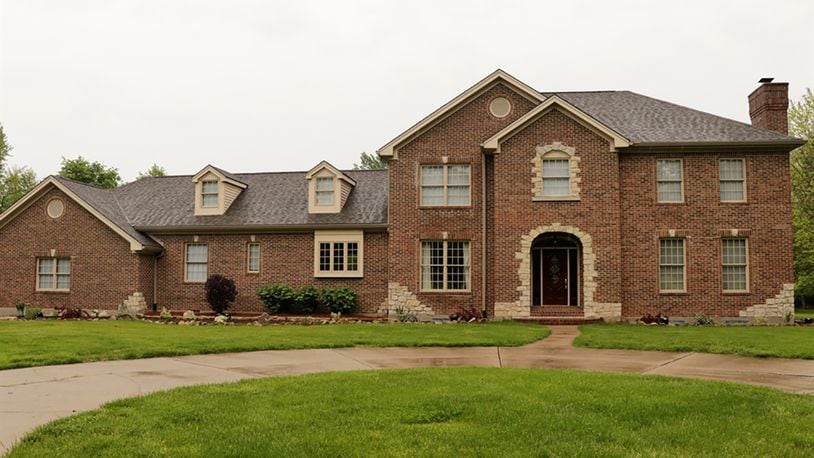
(557, 310)
(558, 320)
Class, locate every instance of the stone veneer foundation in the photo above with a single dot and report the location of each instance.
(399, 296)
(610, 311)
(776, 307)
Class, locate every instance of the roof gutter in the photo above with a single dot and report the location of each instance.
(246, 229)
(771, 145)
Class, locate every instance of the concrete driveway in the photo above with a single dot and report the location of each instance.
(33, 396)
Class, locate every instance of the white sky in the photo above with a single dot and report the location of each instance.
(281, 85)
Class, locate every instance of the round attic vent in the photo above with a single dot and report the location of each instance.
(500, 107)
(55, 208)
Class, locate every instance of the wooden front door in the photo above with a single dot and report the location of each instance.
(555, 277)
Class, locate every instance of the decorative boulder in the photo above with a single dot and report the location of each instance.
(189, 315)
(221, 319)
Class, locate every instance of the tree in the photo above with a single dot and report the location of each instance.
(370, 162)
(220, 293)
(15, 182)
(801, 124)
(155, 170)
(93, 173)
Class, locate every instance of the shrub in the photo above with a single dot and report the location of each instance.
(71, 314)
(21, 309)
(165, 314)
(306, 299)
(220, 293)
(340, 300)
(277, 298)
(405, 315)
(467, 313)
(704, 320)
(32, 312)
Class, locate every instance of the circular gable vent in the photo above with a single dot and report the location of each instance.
(55, 208)
(500, 107)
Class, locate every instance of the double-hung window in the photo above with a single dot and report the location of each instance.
(196, 268)
(556, 177)
(445, 265)
(209, 194)
(325, 191)
(735, 265)
(671, 265)
(53, 274)
(253, 257)
(732, 175)
(669, 176)
(445, 185)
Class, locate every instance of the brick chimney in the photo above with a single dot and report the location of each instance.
(769, 106)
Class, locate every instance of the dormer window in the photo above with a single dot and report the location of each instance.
(328, 188)
(209, 194)
(325, 191)
(215, 190)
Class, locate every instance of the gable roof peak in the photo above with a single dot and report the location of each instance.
(222, 174)
(499, 75)
(327, 165)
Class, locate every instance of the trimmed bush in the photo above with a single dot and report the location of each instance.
(277, 298)
(307, 300)
(220, 293)
(340, 300)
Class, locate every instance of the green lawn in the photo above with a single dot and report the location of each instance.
(803, 313)
(39, 343)
(442, 412)
(775, 341)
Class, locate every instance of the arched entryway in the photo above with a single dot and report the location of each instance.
(556, 271)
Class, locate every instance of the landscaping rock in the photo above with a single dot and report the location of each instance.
(189, 315)
(221, 319)
(50, 313)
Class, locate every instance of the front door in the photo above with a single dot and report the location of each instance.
(555, 276)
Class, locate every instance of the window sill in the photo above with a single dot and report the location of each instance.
(187, 282)
(555, 199)
(452, 292)
(338, 275)
(53, 291)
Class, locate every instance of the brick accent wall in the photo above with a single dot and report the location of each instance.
(458, 138)
(104, 272)
(594, 218)
(284, 258)
(765, 220)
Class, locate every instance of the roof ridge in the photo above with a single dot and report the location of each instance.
(89, 185)
(707, 113)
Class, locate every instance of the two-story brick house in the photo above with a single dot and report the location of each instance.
(506, 199)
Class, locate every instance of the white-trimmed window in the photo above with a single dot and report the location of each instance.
(672, 265)
(556, 176)
(253, 257)
(735, 265)
(53, 274)
(325, 191)
(338, 253)
(670, 176)
(196, 269)
(209, 193)
(445, 265)
(445, 185)
(732, 174)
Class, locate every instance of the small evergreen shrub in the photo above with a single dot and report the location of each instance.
(307, 300)
(32, 312)
(340, 300)
(704, 320)
(220, 293)
(277, 298)
(21, 309)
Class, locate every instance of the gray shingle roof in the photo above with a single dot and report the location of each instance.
(272, 199)
(106, 203)
(643, 119)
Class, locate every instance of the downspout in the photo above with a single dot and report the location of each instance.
(483, 235)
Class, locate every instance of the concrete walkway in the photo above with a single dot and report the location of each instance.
(32, 396)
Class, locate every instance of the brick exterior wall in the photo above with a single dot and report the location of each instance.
(702, 220)
(596, 214)
(458, 137)
(284, 258)
(104, 272)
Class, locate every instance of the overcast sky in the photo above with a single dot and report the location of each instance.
(274, 85)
